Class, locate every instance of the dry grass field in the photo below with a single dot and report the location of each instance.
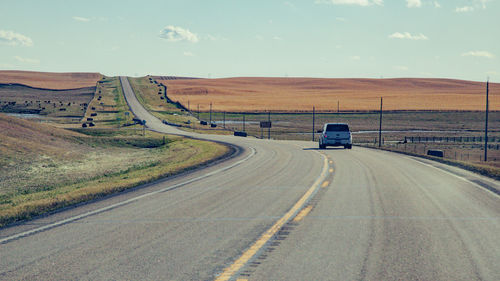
(43, 168)
(22, 99)
(50, 80)
(301, 94)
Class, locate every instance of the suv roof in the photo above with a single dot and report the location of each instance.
(340, 127)
(336, 124)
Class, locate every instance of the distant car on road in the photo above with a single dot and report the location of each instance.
(335, 134)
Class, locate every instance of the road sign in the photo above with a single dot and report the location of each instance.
(265, 124)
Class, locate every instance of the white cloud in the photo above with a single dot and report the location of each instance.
(175, 34)
(14, 39)
(352, 2)
(277, 38)
(81, 19)
(436, 4)
(188, 54)
(340, 19)
(464, 9)
(483, 54)
(407, 35)
(27, 60)
(259, 37)
(413, 3)
(355, 58)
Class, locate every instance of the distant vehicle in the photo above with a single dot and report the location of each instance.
(335, 134)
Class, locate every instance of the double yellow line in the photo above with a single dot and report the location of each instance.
(230, 271)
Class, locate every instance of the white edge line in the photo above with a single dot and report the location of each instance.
(71, 219)
(457, 176)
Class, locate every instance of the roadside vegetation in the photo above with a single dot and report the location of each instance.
(108, 108)
(151, 95)
(43, 168)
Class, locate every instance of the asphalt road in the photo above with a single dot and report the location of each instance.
(278, 211)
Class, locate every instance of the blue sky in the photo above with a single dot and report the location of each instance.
(306, 38)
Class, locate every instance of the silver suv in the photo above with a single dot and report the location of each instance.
(335, 134)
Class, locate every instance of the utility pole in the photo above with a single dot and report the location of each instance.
(210, 114)
(243, 121)
(269, 128)
(338, 106)
(224, 120)
(486, 123)
(189, 108)
(198, 111)
(313, 131)
(380, 126)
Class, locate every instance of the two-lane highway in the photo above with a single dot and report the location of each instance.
(372, 215)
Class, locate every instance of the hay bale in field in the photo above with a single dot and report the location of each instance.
(90, 119)
(93, 114)
(84, 125)
(91, 124)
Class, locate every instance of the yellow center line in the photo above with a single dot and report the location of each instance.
(231, 270)
(303, 213)
(325, 184)
(331, 170)
(331, 162)
(239, 279)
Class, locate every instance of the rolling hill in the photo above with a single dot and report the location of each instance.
(50, 80)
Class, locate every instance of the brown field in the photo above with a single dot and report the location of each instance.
(301, 94)
(50, 80)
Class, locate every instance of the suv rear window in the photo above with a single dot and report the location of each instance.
(337, 128)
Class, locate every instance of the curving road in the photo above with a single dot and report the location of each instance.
(277, 211)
